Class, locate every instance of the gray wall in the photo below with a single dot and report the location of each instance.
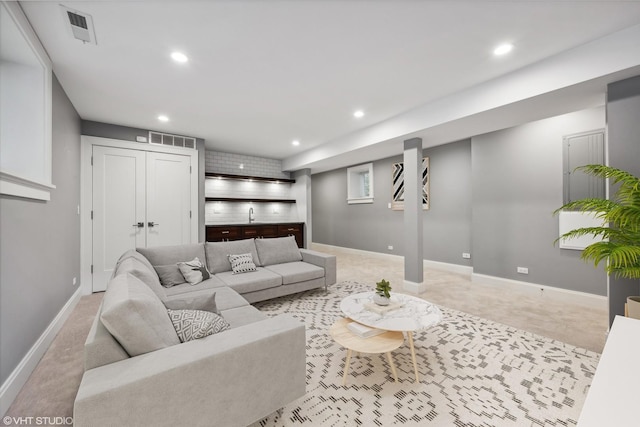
(517, 184)
(373, 227)
(623, 125)
(40, 245)
(492, 196)
(126, 133)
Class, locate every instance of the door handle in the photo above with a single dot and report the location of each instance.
(152, 224)
(139, 225)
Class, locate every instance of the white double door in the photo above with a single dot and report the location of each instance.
(140, 199)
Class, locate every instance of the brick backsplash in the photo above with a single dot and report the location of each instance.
(217, 161)
(238, 212)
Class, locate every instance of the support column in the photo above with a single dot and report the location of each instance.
(413, 271)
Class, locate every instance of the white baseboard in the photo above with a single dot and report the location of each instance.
(544, 291)
(435, 265)
(414, 287)
(12, 386)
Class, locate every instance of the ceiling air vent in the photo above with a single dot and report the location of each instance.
(80, 25)
(172, 140)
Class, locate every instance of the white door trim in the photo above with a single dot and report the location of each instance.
(86, 195)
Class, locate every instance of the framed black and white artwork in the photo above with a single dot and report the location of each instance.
(397, 198)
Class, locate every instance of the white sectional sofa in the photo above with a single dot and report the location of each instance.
(137, 370)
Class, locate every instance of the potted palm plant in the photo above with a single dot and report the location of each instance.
(382, 295)
(620, 244)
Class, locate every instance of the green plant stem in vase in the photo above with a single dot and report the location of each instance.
(382, 294)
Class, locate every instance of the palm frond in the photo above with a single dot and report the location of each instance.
(620, 244)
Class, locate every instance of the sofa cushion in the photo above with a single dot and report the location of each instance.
(218, 253)
(132, 253)
(188, 302)
(278, 250)
(136, 317)
(252, 281)
(241, 316)
(242, 263)
(169, 275)
(166, 255)
(141, 270)
(294, 272)
(210, 283)
(194, 271)
(195, 324)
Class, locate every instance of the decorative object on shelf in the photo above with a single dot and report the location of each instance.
(397, 176)
(620, 244)
(382, 295)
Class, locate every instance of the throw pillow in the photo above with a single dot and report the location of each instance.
(194, 271)
(169, 275)
(136, 317)
(242, 263)
(196, 324)
(196, 302)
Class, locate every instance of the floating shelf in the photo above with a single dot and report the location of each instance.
(234, 199)
(247, 178)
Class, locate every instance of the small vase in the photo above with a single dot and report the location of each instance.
(633, 307)
(380, 300)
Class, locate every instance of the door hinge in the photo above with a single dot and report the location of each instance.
(91, 268)
(91, 160)
(92, 215)
(190, 214)
(190, 170)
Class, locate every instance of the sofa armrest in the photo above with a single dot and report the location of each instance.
(233, 378)
(326, 261)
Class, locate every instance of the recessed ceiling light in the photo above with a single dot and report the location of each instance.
(358, 114)
(179, 57)
(241, 166)
(296, 143)
(163, 118)
(503, 49)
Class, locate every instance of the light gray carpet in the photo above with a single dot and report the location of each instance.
(474, 372)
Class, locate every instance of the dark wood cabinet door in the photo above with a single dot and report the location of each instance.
(222, 233)
(295, 230)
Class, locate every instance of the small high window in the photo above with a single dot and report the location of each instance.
(360, 184)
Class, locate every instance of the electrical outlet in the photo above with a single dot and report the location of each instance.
(523, 270)
(466, 255)
(390, 247)
(75, 280)
(389, 206)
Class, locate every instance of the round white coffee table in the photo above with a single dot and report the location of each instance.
(383, 343)
(412, 314)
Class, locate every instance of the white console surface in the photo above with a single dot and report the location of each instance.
(614, 396)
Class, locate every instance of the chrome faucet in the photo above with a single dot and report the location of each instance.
(251, 215)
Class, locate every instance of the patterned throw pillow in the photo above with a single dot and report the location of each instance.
(196, 324)
(242, 263)
(194, 271)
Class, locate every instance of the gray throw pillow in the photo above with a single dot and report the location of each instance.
(278, 250)
(196, 324)
(242, 263)
(194, 303)
(169, 275)
(136, 317)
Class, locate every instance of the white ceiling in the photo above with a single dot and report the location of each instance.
(263, 73)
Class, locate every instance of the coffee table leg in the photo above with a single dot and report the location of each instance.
(346, 367)
(413, 354)
(393, 367)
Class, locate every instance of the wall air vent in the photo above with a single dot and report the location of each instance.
(158, 138)
(80, 25)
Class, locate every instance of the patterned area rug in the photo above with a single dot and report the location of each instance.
(473, 372)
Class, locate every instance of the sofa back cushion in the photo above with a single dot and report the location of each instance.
(136, 317)
(278, 250)
(218, 253)
(143, 271)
